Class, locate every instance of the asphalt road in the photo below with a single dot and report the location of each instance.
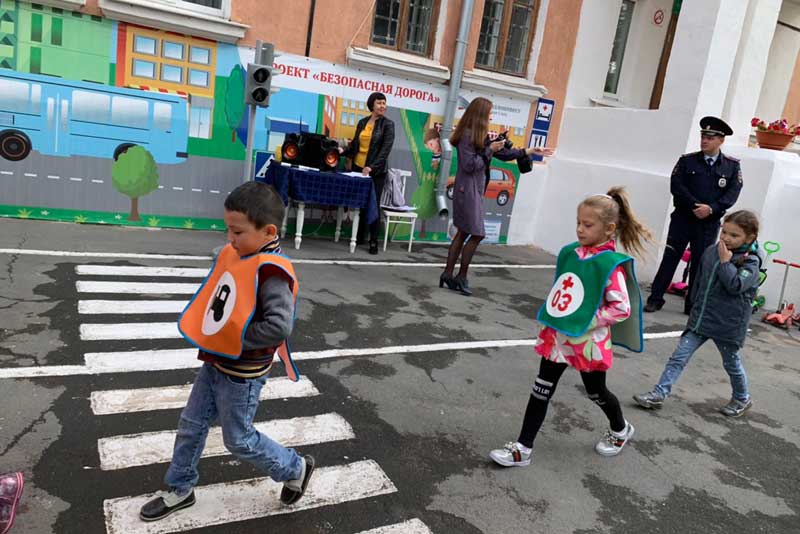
(422, 415)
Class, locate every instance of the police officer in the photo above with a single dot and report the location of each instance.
(704, 184)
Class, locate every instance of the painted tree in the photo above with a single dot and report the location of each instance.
(234, 100)
(135, 175)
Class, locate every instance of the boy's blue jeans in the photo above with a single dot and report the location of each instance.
(688, 344)
(216, 395)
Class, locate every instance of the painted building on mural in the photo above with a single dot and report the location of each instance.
(117, 113)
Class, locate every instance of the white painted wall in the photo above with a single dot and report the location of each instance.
(643, 53)
(750, 68)
(780, 65)
(592, 51)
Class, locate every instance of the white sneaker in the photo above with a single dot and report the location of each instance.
(512, 455)
(611, 445)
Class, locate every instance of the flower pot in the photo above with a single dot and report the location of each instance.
(773, 140)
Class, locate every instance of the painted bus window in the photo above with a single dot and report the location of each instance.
(162, 116)
(200, 55)
(129, 112)
(144, 45)
(172, 50)
(90, 107)
(14, 96)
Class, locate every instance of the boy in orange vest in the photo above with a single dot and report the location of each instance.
(240, 319)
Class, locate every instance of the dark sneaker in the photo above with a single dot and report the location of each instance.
(650, 401)
(651, 306)
(294, 489)
(736, 408)
(164, 503)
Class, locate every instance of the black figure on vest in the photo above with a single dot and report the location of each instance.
(704, 184)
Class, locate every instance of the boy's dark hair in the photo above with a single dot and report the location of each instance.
(744, 219)
(259, 202)
(373, 97)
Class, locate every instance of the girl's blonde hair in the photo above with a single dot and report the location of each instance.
(615, 207)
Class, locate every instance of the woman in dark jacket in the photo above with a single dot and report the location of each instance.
(475, 154)
(369, 151)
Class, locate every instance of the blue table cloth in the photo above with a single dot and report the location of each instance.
(327, 188)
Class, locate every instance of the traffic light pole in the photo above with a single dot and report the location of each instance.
(251, 121)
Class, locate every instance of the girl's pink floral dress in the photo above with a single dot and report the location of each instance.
(591, 351)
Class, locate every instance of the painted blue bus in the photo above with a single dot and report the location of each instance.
(60, 117)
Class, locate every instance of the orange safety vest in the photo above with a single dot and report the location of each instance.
(216, 318)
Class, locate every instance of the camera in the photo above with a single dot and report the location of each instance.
(507, 143)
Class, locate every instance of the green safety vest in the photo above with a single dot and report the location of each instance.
(578, 291)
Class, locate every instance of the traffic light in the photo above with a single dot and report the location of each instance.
(259, 79)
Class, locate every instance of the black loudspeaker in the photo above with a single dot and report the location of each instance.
(310, 150)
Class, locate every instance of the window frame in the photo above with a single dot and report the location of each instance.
(505, 26)
(615, 95)
(402, 28)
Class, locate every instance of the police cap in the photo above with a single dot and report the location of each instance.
(714, 126)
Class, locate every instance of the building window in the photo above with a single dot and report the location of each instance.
(172, 50)
(36, 60)
(200, 56)
(171, 73)
(344, 119)
(506, 35)
(352, 119)
(144, 69)
(198, 78)
(618, 50)
(144, 45)
(216, 4)
(36, 28)
(405, 25)
(57, 31)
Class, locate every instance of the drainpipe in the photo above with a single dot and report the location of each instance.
(310, 26)
(452, 101)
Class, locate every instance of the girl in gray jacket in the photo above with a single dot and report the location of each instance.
(724, 289)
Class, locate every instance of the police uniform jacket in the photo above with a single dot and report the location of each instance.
(695, 182)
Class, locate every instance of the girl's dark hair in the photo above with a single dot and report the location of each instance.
(476, 120)
(746, 220)
(615, 207)
(259, 202)
(373, 97)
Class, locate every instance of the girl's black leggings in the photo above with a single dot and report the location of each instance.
(544, 387)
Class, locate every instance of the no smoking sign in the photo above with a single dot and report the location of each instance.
(658, 17)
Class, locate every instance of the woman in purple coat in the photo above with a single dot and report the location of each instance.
(475, 153)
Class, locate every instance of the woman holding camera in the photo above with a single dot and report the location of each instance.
(369, 151)
(475, 153)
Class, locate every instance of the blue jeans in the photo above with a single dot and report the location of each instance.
(216, 395)
(688, 344)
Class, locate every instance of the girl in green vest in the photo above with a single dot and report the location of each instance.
(594, 303)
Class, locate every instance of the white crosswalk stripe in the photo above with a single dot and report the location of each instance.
(131, 450)
(146, 288)
(167, 398)
(130, 307)
(414, 526)
(217, 504)
(230, 502)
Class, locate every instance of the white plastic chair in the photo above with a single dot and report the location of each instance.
(394, 216)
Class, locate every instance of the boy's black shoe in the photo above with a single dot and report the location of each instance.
(294, 489)
(163, 504)
(651, 306)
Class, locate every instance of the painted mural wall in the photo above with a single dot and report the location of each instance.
(112, 123)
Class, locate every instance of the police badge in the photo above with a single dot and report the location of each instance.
(722, 182)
